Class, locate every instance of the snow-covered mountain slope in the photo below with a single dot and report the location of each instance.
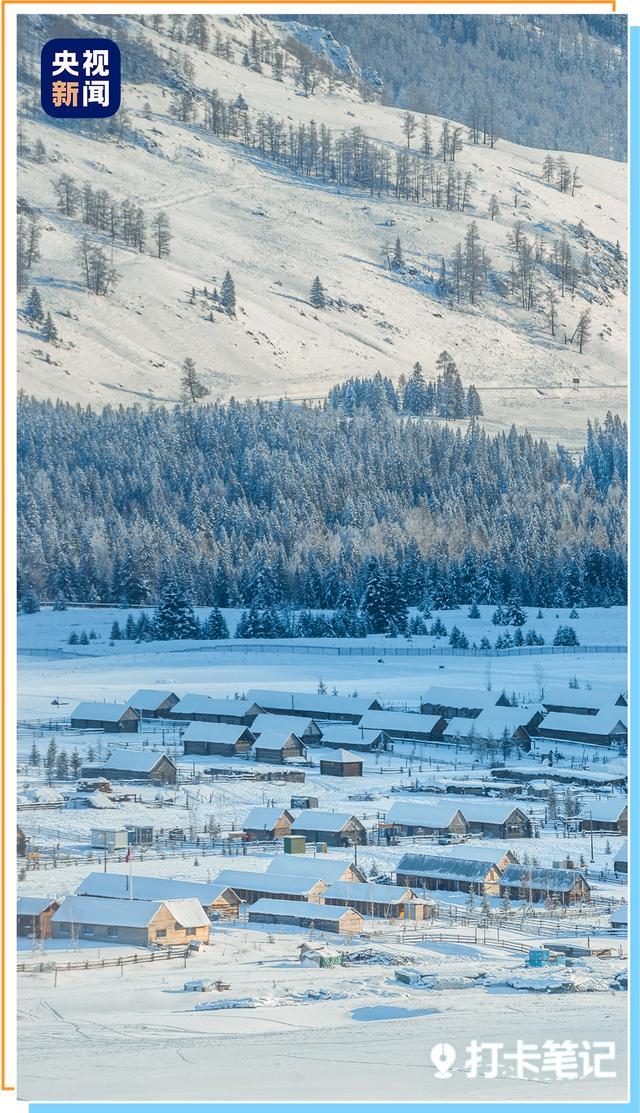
(275, 230)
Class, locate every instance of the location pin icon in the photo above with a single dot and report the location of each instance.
(443, 1056)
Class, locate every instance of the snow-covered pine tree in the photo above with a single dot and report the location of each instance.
(174, 617)
(33, 309)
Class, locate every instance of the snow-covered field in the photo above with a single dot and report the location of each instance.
(133, 1033)
(275, 231)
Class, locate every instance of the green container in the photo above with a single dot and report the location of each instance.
(295, 844)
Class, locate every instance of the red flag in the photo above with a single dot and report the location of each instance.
(128, 857)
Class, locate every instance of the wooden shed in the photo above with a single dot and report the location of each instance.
(539, 883)
(607, 728)
(316, 865)
(113, 718)
(408, 725)
(153, 704)
(342, 763)
(459, 702)
(333, 828)
(276, 747)
(34, 916)
(324, 917)
(304, 728)
(495, 818)
(228, 739)
(136, 922)
(582, 701)
(264, 824)
(621, 858)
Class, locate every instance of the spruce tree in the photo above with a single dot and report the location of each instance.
(228, 295)
(174, 618)
(50, 332)
(317, 295)
(33, 309)
(215, 627)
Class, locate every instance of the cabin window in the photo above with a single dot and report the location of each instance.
(191, 931)
(88, 930)
(161, 933)
(112, 931)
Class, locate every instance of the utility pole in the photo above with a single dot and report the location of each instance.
(591, 834)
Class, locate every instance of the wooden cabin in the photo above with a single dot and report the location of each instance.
(135, 765)
(607, 728)
(215, 899)
(34, 916)
(332, 828)
(228, 739)
(608, 815)
(276, 747)
(265, 824)
(467, 703)
(307, 730)
(621, 859)
(456, 875)
(385, 902)
(497, 819)
(406, 725)
(336, 736)
(324, 917)
(310, 705)
(252, 886)
(318, 866)
(153, 704)
(441, 818)
(205, 709)
(135, 922)
(113, 718)
(341, 764)
(539, 883)
(581, 701)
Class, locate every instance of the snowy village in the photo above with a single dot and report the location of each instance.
(322, 701)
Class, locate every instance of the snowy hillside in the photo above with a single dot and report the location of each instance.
(230, 208)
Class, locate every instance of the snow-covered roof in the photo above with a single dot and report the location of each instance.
(312, 819)
(263, 819)
(447, 868)
(460, 697)
(343, 757)
(116, 885)
(213, 732)
(437, 815)
(370, 892)
(105, 912)
(100, 712)
(482, 810)
(309, 701)
(196, 704)
(318, 867)
(44, 794)
(133, 761)
(347, 734)
(399, 721)
(540, 877)
(490, 723)
(622, 853)
(33, 906)
(620, 915)
(266, 882)
(274, 739)
(149, 698)
(591, 699)
(601, 724)
(293, 724)
(610, 808)
(469, 853)
(98, 800)
(300, 908)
